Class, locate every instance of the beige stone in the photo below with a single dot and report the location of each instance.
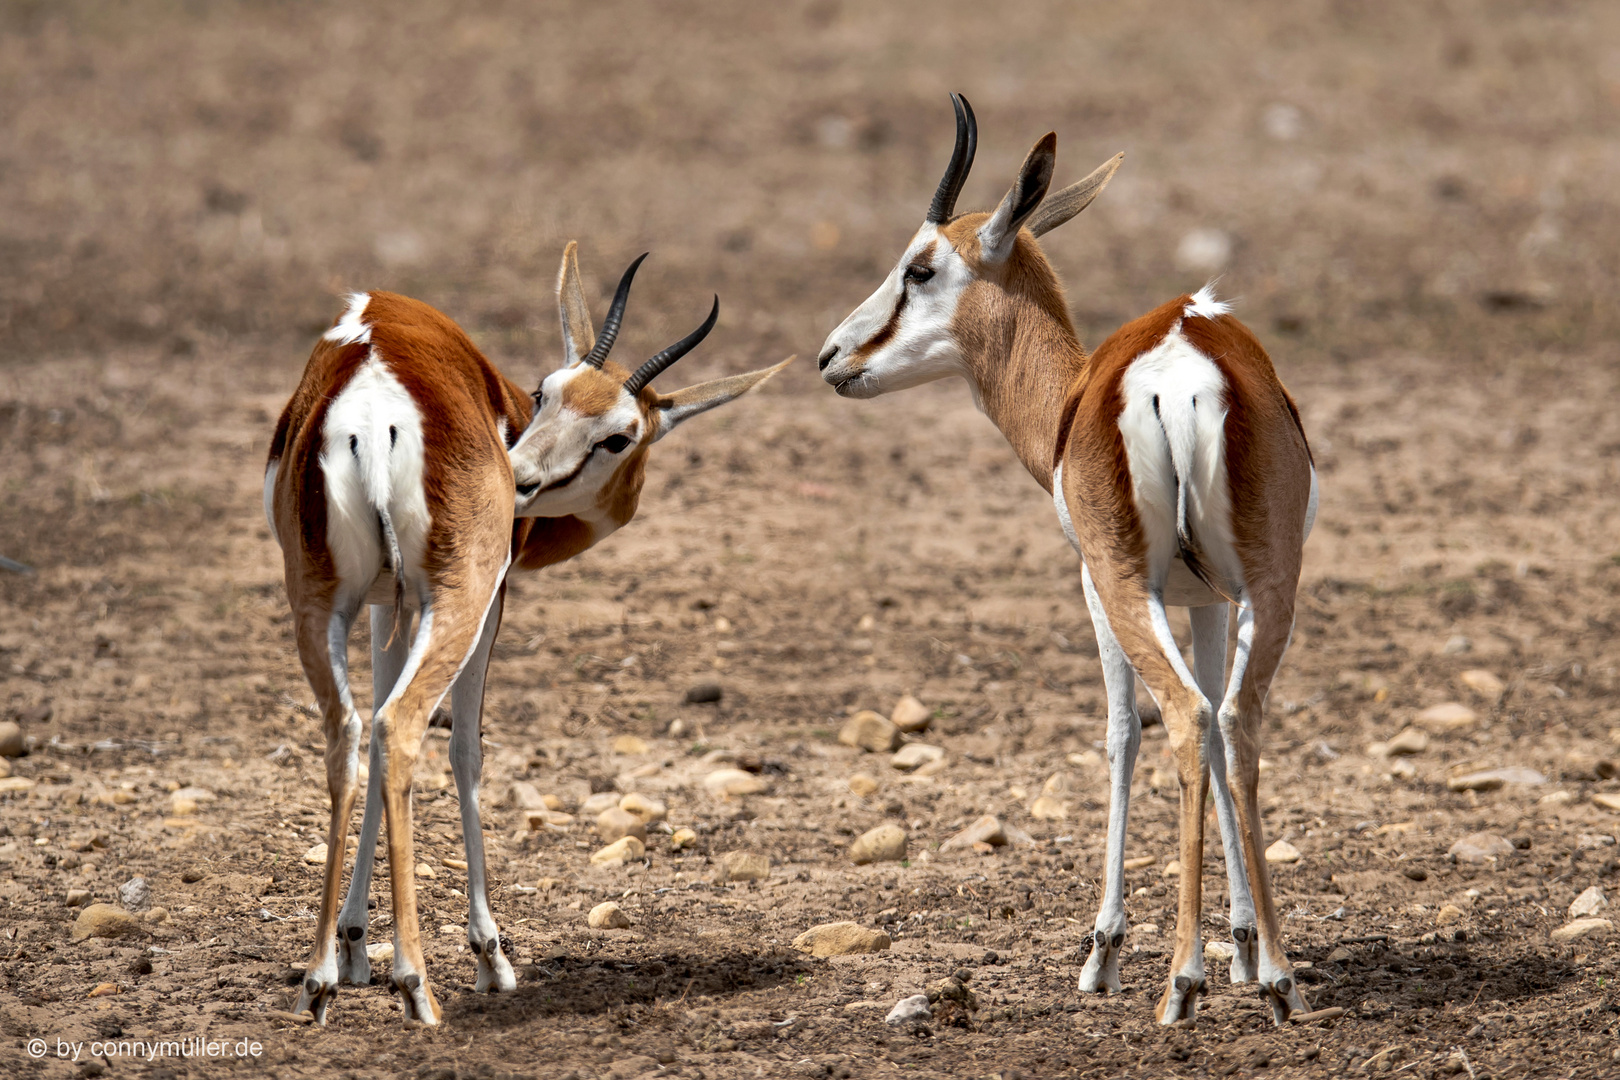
(156, 915)
(911, 715)
(380, 952)
(613, 823)
(608, 916)
(1480, 847)
(1060, 785)
(1596, 929)
(5, 767)
(1410, 741)
(1607, 800)
(552, 802)
(105, 921)
(912, 755)
(648, 810)
(12, 785)
(734, 783)
(316, 856)
(1589, 903)
(539, 820)
(1171, 869)
(599, 802)
(1087, 759)
(863, 785)
(78, 897)
(1448, 717)
(11, 739)
(1282, 852)
(629, 744)
(1219, 952)
(841, 939)
(682, 839)
(525, 796)
(867, 730)
(1047, 808)
(1484, 683)
(1491, 779)
(178, 806)
(423, 870)
(1448, 914)
(1140, 862)
(744, 866)
(623, 850)
(988, 830)
(886, 843)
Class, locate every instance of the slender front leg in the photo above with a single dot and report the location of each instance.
(1209, 667)
(323, 646)
(1101, 973)
(467, 763)
(388, 652)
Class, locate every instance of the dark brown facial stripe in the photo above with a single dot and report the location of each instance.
(892, 327)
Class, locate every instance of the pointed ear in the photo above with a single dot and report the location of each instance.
(682, 405)
(996, 236)
(1074, 198)
(578, 336)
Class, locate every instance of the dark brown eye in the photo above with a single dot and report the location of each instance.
(615, 444)
(918, 274)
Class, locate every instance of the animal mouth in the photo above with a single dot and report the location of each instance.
(853, 386)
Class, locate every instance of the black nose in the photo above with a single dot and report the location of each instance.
(826, 358)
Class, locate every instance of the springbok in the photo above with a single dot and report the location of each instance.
(391, 483)
(1181, 475)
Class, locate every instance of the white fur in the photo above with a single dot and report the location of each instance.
(557, 440)
(1185, 436)
(1310, 509)
(1205, 306)
(350, 329)
(270, 497)
(376, 474)
(1062, 505)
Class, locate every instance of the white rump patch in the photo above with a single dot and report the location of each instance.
(349, 329)
(1205, 306)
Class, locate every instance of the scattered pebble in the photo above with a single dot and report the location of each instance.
(613, 823)
(78, 897)
(423, 870)
(1450, 913)
(599, 802)
(734, 783)
(648, 810)
(863, 784)
(1480, 847)
(913, 755)
(1141, 862)
(629, 744)
(104, 921)
(316, 856)
(1219, 952)
(987, 830)
(380, 951)
(910, 1010)
(911, 715)
(1491, 779)
(1410, 741)
(1607, 800)
(1171, 869)
(454, 864)
(951, 988)
(135, 894)
(623, 850)
(744, 866)
(1449, 717)
(843, 939)
(1456, 645)
(525, 796)
(1087, 759)
(608, 916)
(104, 990)
(11, 739)
(156, 916)
(1589, 903)
(1484, 683)
(542, 819)
(886, 843)
(703, 693)
(1047, 808)
(1583, 928)
(867, 730)
(1282, 852)
(683, 838)
(12, 785)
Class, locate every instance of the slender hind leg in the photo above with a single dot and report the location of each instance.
(467, 763)
(323, 646)
(1209, 666)
(388, 651)
(1101, 973)
(1264, 625)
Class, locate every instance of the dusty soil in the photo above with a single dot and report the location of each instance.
(1418, 214)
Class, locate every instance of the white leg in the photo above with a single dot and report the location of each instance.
(467, 763)
(1101, 973)
(387, 661)
(1209, 668)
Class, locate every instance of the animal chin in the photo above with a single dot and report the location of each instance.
(857, 386)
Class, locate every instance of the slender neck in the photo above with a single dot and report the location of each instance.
(1023, 368)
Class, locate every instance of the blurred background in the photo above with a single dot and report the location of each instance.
(1368, 177)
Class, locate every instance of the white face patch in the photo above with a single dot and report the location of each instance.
(911, 321)
(564, 460)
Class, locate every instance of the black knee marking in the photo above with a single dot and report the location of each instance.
(356, 932)
(1102, 940)
(412, 982)
(1240, 934)
(311, 987)
(1119, 939)
(1183, 984)
(1284, 985)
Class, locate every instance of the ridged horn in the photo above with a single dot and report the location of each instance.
(615, 316)
(649, 371)
(950, 185)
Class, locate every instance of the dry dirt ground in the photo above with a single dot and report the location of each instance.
(1413, 201)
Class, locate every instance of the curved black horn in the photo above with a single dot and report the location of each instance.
(615, 316)
(649, 371)
(950, 185)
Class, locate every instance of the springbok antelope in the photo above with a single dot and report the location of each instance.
(391, 483)
(1181, 475)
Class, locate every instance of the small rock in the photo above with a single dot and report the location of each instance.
(950, 988)
(1607, 800)
(912, 755)
(1410, 741)
(842, 939)
(744, 866)
(525, 796)
(602, 800)
(867, 730)
(1449, 717)
(886, 843)
(682, 839)
(1450, 913)
(1060, 785)
(648, 810)
(1219, 952)
(11, 785)
(178, 806)
(911, 715)
(1593, 842)
(104, 921)
(1171, 869)
(623, 850)
(5, 767)
(1483, 683)
(104, 990)
(1401, 769)
(552, 802)
(454, 864)
(380, 951)
(316, 856)
(1140, 862)
(1491, 779)
(1456, 645)
(1087, 759)
(1047, 808)
(613, 823)
(608, 916)
(1147, 929)
(78, 897)
(1282, 852)
(156, 916)
(11, 739)
(1583, 928)
(1480, 847)
(1589, 903)
(909, 1011)
(423, 870)
(135, 894)
(734, 783)
(703, 693)
(629, 744)
(863, 785)
(988, 830)
(539, 820)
